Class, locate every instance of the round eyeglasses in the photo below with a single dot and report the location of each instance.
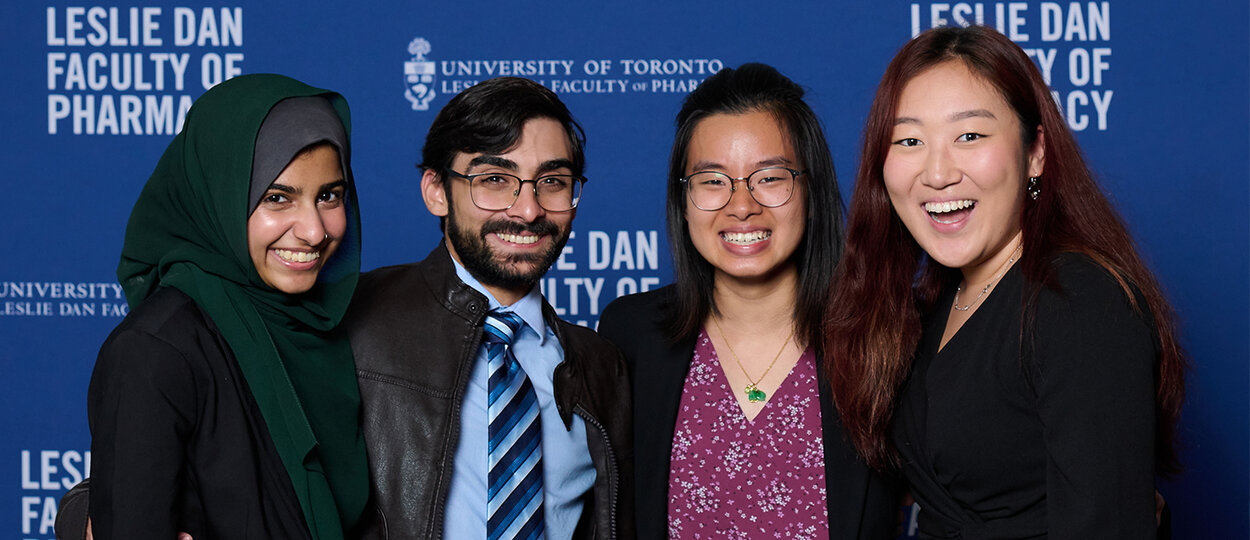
(770, 187)
(499, 191)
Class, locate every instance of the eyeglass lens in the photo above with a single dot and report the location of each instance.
(771, 187)
(499, 191)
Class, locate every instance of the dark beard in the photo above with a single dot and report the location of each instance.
(481, 262)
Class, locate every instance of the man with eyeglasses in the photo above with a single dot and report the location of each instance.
(485, 415)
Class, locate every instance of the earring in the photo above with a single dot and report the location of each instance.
(1032, 188)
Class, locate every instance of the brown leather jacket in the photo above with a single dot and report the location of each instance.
(415, 331)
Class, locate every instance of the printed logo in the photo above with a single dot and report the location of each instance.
(419, 75)
(426, 79)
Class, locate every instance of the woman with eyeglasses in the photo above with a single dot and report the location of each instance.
(225, 404)
(735, 432)
(993, 331)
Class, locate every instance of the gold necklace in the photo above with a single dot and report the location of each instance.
(1002, 272)
(754, 394)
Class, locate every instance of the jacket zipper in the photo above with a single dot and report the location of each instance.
(612, 467)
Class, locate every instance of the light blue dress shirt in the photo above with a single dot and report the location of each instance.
(568, 472)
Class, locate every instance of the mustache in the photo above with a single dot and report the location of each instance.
(541, 227)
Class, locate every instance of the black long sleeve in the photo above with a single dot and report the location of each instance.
(1052, 437)
(178, 443)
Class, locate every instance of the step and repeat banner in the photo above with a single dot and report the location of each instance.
(1156, 91)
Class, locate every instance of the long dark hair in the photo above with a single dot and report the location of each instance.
(873, 322)
(756, 88)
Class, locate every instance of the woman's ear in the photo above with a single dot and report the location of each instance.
(434, 193)
(1037, 154)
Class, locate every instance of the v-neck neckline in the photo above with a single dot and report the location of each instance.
(723, 379)
(989, 303)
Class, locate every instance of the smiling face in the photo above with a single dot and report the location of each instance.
(506, 250)
(299, 222)
(745, 240)
(957, 167)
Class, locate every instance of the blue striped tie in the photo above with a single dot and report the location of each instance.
(515, 472)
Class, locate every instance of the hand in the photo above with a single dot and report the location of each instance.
(1159, 505)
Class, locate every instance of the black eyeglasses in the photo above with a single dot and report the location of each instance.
(499, 191)
(770, 187)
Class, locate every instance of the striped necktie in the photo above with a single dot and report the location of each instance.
(515, 472)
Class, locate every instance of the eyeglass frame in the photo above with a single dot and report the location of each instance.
(733, 187)
(517, 194)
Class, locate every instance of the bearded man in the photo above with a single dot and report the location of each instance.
(485, 415)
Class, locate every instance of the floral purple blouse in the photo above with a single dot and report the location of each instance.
(734, 478)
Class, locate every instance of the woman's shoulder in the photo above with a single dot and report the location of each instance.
(635, 317)
(1089, 303)
(644, 305)
(162, 356)
(1081, 280)
(1077, 268)
(167, 312)
(164, 324)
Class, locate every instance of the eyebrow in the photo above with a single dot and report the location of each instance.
(554, 165)
(505, 163)
(292, 190)
(495, 161)
(961, 115)
(974, 113)
(776, 161)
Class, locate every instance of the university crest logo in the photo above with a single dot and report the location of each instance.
(419, 76)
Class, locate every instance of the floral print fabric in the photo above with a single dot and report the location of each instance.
(734, 478)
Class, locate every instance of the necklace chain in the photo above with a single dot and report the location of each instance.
(753, 392)
(1015, 254)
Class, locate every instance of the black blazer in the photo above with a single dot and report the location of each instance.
(862, 504)
(177, 440)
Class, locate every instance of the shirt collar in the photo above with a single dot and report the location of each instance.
(529, 308)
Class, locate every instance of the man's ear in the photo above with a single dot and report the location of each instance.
(434, 193)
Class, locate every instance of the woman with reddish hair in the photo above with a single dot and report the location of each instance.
(993, 331)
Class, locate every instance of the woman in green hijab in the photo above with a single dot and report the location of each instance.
(225, 404)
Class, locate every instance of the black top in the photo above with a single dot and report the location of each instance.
(177, 441)
(861, 503)
(1054, 438)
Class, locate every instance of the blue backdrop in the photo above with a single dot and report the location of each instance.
(1158, 93)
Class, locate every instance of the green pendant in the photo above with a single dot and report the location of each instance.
(755, 395)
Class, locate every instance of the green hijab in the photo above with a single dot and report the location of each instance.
(189, 230)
